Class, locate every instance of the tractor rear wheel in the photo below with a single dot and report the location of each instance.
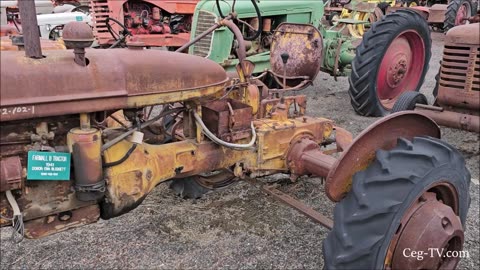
(194, 187)
(414, 197)
(392, 58)
(457, 11)
(408, 100)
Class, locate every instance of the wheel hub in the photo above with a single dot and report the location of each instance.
(397, 72)
(401, 67)
(429, 236)
(462, 14)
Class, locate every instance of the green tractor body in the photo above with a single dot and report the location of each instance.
(218, 45)
(392, 56)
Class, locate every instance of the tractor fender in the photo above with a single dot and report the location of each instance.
(381, 135)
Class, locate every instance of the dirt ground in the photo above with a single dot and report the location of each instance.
(233, 228)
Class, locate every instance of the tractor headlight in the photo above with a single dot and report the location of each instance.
(48, 27)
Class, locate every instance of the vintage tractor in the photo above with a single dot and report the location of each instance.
(156, 23)
(78, 145)
(458, 11)
(391, 58)
(258, 22)
(457, 93)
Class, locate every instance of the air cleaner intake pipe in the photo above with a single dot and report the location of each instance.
(31, 32)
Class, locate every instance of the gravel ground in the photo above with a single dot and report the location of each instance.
(232, 228)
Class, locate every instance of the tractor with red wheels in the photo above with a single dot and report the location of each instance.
(392, 56)
(457, 92)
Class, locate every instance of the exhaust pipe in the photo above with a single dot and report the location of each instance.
(31, 33)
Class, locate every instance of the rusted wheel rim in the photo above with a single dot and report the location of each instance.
(463, 12)
(401, 67)
(430, 226)
(216, 180)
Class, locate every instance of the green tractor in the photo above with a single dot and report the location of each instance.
(392, 57)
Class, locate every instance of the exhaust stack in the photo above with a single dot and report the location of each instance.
(31, 33)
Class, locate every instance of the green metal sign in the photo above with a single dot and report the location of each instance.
(48, 166)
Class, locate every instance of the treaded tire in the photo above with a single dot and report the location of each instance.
(408, 100)
(192, 187)
(451, 13)
(370, 53)
(383, 7)
(188, 188)
(368, 217)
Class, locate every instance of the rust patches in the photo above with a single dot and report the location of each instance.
(118, 80)
(61, 222)
(85, 146)
(451, 119)
(343, 138)
(382, 134)
(10, 173)
(427, 224)
(305, 157)
(47, 45)
(228, 119)
(304, 45)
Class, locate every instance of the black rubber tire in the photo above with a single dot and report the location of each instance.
(191, 188)
(188, 188)
(408, 100)
(368, 217)
(451, 13)
(369, 55)
(383, 6)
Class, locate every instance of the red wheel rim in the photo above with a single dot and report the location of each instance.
(462, 13)
(401, 67)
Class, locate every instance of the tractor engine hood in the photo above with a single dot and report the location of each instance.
(464, 34)
(112, 79)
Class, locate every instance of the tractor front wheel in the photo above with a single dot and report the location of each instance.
(392, 58)
(408, 100)
(412, 198)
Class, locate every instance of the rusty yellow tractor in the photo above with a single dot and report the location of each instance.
(97, 135)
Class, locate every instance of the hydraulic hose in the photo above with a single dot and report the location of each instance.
(216, 140)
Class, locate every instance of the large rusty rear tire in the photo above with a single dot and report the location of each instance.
(392, 58)
(378, 213)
